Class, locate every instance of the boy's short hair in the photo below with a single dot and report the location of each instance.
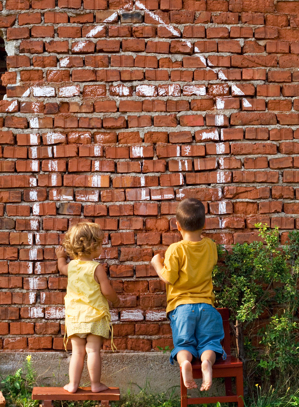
(190, 214)
(83, 238)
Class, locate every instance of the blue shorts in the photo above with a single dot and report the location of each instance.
(196, 328)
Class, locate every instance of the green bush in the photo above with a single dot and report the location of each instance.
(262, 278)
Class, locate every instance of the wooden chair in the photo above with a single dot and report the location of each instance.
(48, 394)
(231, 367)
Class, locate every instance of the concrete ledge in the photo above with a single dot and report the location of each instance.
(124, 370)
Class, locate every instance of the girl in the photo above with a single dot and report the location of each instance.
(87, 314)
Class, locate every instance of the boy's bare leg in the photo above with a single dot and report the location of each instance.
(184, 359)
(208, 358)
(93, 349)
(76, 363)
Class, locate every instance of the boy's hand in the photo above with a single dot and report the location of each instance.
(157, 259)
(60, 252)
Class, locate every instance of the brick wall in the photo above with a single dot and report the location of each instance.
(117, 110)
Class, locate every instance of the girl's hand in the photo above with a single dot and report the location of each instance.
(116, 303)
(60, 252)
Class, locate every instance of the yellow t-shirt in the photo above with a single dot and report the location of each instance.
(188, 268)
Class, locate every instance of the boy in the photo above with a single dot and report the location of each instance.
(197, 327)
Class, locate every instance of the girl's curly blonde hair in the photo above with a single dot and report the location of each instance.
(82, 239)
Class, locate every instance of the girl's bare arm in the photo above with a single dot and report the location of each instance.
(61, 260)
(106, 288)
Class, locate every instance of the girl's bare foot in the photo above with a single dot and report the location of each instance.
(188, 375)
(98, 387)
(206, 368)
(71, 388)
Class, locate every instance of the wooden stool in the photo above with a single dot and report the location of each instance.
(48, 394)
(231, 367)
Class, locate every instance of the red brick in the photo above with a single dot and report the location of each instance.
(15, 343)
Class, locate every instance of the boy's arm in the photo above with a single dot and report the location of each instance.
(157, 263)
(61, 260)
(106, 288)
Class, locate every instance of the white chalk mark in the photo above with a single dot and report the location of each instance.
(35, 210)
(95, 31)
(222, 208)
(33, 195)
(79, 45)
(155, 316)
(64, 62)
(220, 148)
(219, 119)
(187, 150)
(222, 76)
(246, 103)
(212, 135)
(237, 91)
(180, 194)
(137, 151)
(34, 224)
(144, 195)
(30, 238)
(45, 91)
(33, 139)
(34, 124)
(26, 93)
(203, 60)
(33, 182)
(12, 106)
(219, 103)
(32, 254)
(158, 19)
(142, 181)
(220, 177)
(69, 91)
(146, 90)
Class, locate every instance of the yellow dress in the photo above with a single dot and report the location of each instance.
(86, 309)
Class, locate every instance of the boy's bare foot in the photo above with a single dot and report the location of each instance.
(206, 369)
(187, 375)
(71, 388)
(98, 387)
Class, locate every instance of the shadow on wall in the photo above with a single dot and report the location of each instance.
(2, 67)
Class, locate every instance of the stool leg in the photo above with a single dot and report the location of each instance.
(240, 389)
(104, 403)
(184, 402)
(47, 403)
(228, 386)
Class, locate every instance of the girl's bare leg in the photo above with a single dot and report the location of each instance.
(93, 349)
(184, 358)
(76, 363)
(208, 358)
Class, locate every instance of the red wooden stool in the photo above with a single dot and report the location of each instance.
(231, 367)
(48, 394)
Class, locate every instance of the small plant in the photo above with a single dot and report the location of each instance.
(164, 350)
(17, 388)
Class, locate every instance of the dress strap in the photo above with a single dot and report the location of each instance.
(65, 339)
